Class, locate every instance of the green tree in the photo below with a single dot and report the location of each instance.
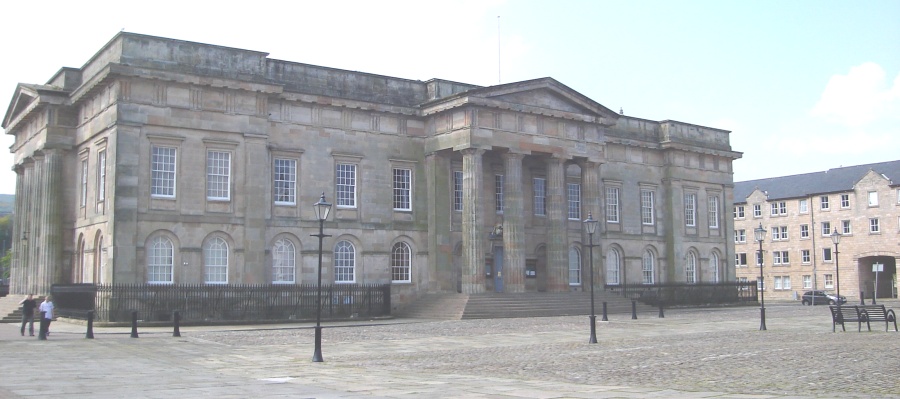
(4, 264)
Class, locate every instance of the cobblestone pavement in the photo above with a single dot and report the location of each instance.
(691, 353)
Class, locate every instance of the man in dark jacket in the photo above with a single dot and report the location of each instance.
(28, 306)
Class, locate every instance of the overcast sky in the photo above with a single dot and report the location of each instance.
(803, 85)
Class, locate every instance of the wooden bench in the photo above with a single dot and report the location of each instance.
(843, 314)
(870, 313)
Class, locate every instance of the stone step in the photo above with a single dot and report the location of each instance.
(440, 306)
(493, 305)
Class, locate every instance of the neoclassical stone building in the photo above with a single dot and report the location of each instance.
(164, 161)
(800, 212)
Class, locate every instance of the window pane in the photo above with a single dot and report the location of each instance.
(574, 267)
(573, 192)
(344, 262)
(540, 195)
(162, 172)
(400, 263)
(285, 183)
(346, 185)
(283, 262)
(218, 175)
(215, 256)
(402, 189)
(160, 261)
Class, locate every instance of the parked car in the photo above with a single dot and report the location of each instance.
(821, 298)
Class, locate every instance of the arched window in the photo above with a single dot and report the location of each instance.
(690, 268)
(344, 262)
(215, 260)
(613, 266)
(574, 266)
(400, 263)
(714, 262)
(647, 267)
(283, 262)
(160, 261)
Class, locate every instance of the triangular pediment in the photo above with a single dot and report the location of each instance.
(25, 98)
(544, 96)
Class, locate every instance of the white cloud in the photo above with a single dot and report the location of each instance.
(860, 97)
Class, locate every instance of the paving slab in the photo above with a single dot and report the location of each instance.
(691, 353)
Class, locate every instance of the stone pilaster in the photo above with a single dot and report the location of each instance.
(557, 247)
(513, 225)
(472, 221)
(256, 199)
(442, 277)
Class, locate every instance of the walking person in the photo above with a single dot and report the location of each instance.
(28, 306)
(47, 313)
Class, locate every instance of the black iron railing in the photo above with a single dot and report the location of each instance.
(681, 294)
(204, 303)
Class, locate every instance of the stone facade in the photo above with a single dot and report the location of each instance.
(175, 162)
(801, 212)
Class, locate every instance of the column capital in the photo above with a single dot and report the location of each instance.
(472, 151)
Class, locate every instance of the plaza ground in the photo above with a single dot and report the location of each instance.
(690, 353)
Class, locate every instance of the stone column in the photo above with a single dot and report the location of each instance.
(513, 225)
(17, 272)
(590, 176)
(35, 269)
(473, 221)
(557, 246)
(50, 241)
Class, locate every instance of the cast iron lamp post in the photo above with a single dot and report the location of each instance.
(836, 239)
(591, 225)
(760, 233)
(322, 209)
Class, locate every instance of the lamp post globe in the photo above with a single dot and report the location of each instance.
(591, 226)
(760, 235)
(322, 208)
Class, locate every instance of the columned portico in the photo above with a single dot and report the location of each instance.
(513, 224)
(472, 221)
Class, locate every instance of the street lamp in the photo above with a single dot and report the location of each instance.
(836, 239)
(591, 225)
(322, 208)
(760, 233)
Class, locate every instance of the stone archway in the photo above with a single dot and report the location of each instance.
(886, 278)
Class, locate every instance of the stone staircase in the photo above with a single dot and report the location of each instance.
(531, 304)
(10, 310)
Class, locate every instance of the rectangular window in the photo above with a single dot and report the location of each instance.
(690, 210)
(713, 212)
(162, 172)
(823, 202)
(345, 182)
(101, 176)
(757, 210)
(84, 177)
(804, 231)
(612, 204)
(786, 282)
(402, 189)
(845, 225)
(218, 175)
(739, 212)
(873, 198)
(740, 236)
(826, 255)
(779, 233)
(573, 191)
(780, 258)
(873, 226)
(777, 282)
(829, 281)
(826, 228)
(805, 256)
(740, 259)
(779, 208)
(540, 196)
(285, 183)
(457, 190)
(498, 193)
(803, 206)
(845, 201)
(807, 281)
(647, 208)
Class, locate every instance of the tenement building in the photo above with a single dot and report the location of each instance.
(169, 162)
(802, 213)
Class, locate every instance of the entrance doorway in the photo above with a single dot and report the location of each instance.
(498, 269)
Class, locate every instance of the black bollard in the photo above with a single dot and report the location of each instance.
(633, 309)
(42, 329)
(176, 317)
(604, 312)
(90, 329)
(862, 298)
(873, 298)
(661, 315)
(134, 333)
